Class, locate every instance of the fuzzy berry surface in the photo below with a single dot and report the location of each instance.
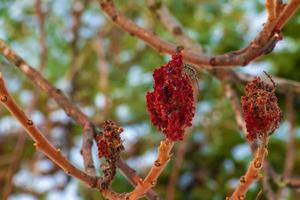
(171, 103)
(260, 107)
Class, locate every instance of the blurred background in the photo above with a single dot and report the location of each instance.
(107, 73)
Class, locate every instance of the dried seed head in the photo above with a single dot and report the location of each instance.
(171, 104)
(109, 142)
(261, 112)
(109, 145)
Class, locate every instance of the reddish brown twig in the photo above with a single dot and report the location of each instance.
(41, 143)
(253, 171)
(60, 98)
(262, 44)
(163, 158)
(282, 85)
(180, 154)
(270, 6)
(66, 104)
(287, 12)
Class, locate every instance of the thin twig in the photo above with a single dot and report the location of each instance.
(287, 12)
(282, 85)
(179, 155)
(253, 171)
(265, 182)
(17, 157)
(103, 67)
(163, 158)
(270, 6)
(173, 25)
(135, 179)
(42, 34)
(291, 148)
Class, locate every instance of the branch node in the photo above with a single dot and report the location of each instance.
(157, 163)
(29, 122)
(3, 98)
(257, 164)
(243, 179)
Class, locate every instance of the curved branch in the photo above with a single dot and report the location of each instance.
(66, 104)
(262, 44)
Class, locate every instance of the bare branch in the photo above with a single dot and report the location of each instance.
(65, 103)
(159, 165)
(263, 43)
(291, 148)
(252, 172)
(17, 157)
(282, 85)
(40, 141)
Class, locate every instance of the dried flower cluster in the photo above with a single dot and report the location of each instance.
(261, 111)
(109, 145)
(171, 104)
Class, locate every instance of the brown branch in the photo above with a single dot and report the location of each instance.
(65, 103)
(40, 14)
(163, 158)
(282, 85)
(22, 137)
(253, 171)
(135, 179)
(265, 182)
(270, 6)
(17, 157)
(70, 109)
(291, 148)
(287, 12)
(173, 25)
(42, 144)
(293, 182)
(180, 153)
(103, 67)
(263, 43)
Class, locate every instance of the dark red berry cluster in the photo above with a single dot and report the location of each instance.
(261, 112)
(109, 145)
(109, 142)
(171, 104)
